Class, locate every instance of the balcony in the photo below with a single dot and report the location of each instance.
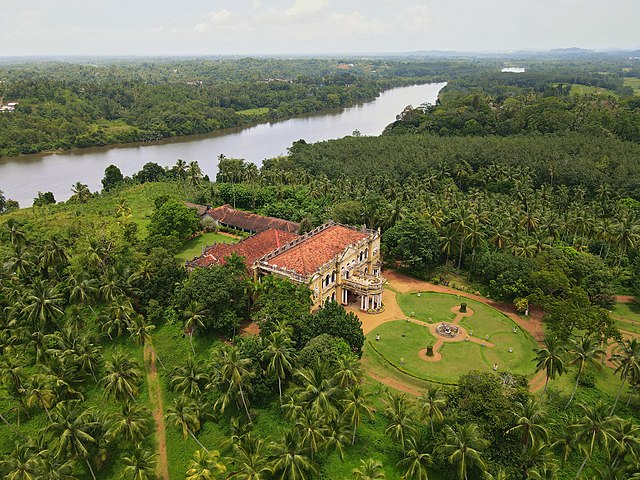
(363, 283)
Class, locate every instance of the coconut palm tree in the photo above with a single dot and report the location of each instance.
(117, 318)
(131, 425)
(311, 431)
(194, 173)
(71, 430)
(251, 459)
(206, 465)
(550, 359)
(51, 467)
(81, 291)
(529, 419)
(289, 462)
(464, 446)
(40, 393)
(347, 371)
(185, 414)
(416, 460)
(233, 373)
(181, 169)
(594, 428)
(583, 353)
(140, 332)
(431, 403)
(42, 304)
(401, 422)
(369, 469)
(626, 437)
(318, 391)
(355, 405)
(81, 193)
(627, 357)
(278, 351)
(122, 378)
(139, 465)
(189, 379)
(21, 463)
(194, 315)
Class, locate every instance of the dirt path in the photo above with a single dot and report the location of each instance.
(155, 395)
(393, 382)
(537, 382)
(625, 298)
(405, 284)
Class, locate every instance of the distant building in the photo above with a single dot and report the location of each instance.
(201, 210)
(7, 107)
(227, 216)
(337, 262)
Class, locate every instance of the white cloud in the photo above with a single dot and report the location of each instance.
(221, 17)
(305, 8)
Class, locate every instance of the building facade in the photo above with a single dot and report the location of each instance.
(337, 262)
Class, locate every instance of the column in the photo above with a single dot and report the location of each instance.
(361, 302)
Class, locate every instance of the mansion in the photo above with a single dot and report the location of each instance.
(337, 262)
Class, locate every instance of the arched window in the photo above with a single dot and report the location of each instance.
(333, 277)
(327, 279)
(333, 297)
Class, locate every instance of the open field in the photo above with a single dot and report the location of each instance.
(633, 83)
(254, 111)
(577, 89)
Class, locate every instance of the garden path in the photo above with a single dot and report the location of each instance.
(400, 283)
(155, 395)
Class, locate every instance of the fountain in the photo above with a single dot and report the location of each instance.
(447, 330)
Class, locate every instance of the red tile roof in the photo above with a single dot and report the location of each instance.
(200, 209)
(313, 252)
(250, 221)
(251, 248)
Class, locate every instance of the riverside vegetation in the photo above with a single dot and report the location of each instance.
(89, 285)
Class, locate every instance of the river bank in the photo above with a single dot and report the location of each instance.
(21, 178)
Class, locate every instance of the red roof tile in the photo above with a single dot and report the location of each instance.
(250, 221)
(251, 248)
(313, 252)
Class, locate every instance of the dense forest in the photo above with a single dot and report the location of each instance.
(106, 338)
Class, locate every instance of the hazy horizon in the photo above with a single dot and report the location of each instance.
(313, 27)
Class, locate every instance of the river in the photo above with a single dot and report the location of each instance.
(21, 178)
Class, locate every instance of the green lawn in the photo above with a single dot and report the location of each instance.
(403, 339)
(633, 83)
(627, 311)
(193, 247)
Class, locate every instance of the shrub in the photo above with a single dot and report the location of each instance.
(587, 379)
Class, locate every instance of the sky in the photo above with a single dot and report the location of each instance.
(239, 27)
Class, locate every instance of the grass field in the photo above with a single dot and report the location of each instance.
(194, 247)
(254, 111)
(577, 89)
(633, 83)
